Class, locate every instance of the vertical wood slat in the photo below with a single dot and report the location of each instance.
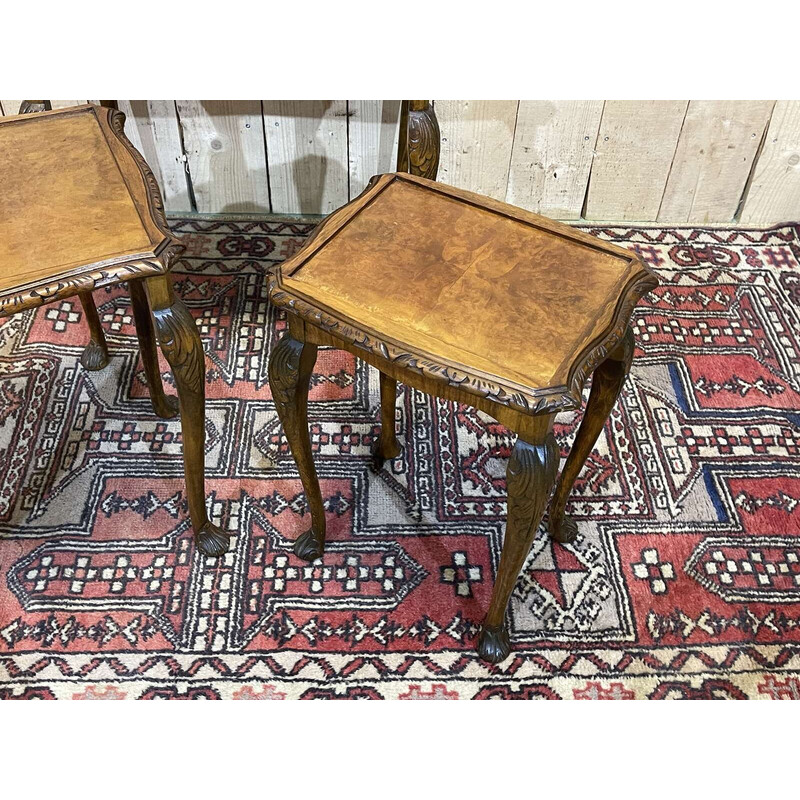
(152, 127)
(635, 148)
(307, 153)
(715, 153)
(652, 158)
(477, 137)
(774, 194)
(66, 103)
(224, 143)
(373, 130)
(552, 155)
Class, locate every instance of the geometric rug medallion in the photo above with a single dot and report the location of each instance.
(684, 581)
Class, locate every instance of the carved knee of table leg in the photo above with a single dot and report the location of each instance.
(607, 384)
(387, 446)
(530, 476)
(290, 366)
(181, 345)
(95, 354)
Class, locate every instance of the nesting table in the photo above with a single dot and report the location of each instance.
(471, 300)
(80, 209)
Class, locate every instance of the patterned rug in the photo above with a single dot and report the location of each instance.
(683, 583)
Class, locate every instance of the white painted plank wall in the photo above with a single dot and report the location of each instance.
(715, 153)
(477, 136)
(552, 155)
(774, 194)
(152, 127)
(635, 147)
(372, 129)
(224, 141)
(307, 153)
(670, 161)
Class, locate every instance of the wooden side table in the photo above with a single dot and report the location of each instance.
(80, 209)
(475, 301)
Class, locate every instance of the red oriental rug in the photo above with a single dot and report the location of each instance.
(683, 583)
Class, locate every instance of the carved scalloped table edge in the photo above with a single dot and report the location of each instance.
(547, 400)
(144, 265)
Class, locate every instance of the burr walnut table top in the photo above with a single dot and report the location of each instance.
(500, 301)
(75, 207)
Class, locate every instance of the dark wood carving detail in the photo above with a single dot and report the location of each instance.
(544, 401)
(530, 476)
(116, 119)
(419, 144)
(177, 334)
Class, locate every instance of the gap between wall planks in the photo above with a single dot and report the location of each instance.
(632, 160)
(774, 194)
(477, 138)
(552, 154)
(713, 159)
(224, 144)
(670, 161)
(307, 153)
(152, 127)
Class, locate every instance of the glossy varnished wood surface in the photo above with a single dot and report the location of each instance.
(470, 283)
(75, 207)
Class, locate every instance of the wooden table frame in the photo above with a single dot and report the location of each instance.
(158, 313)
(532, 468)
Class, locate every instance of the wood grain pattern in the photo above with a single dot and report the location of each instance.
(715, 153)
(635, 147)
(58, 233)
(372, 131)
(552, 155)
(530, 475)
(539, 151)
(152, 127)
(477, 137)
(774, 194)
(307, 152)
(224, 141)
(447, 291)
(487, 255)
(94, 184)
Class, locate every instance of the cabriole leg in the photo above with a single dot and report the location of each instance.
(387, 446)
(181, 345)
(95, 354)
(290, 367)
(607, 383)
(530, 475)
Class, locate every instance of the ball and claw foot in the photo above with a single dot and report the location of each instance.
(565, 532)
(494, 645)
(211, 541)
(309, 546)
(168, 408)
(94, 356)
